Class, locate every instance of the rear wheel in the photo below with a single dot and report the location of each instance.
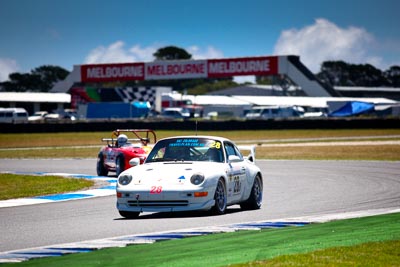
(220, 198)
(119, 165)
(129, 214)
(255, 199)
(101, 170)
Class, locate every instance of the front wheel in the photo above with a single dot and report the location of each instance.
(101, 170)
(220, 198)
(129, 214)
(255, 198)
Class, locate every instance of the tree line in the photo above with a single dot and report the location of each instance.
(334, 73)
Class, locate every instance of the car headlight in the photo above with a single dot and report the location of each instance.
(197, 178)
(124, 179)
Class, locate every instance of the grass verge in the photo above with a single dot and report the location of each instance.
(18, 186)
(329, 152)
(66, 144)
(314, 244)
(368, 254)
(94, 138)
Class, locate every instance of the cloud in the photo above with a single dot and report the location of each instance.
(117, 52)
(324, 41)
(144, 54)
(7, 66)
(209, 52)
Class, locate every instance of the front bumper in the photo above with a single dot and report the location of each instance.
(167, 201)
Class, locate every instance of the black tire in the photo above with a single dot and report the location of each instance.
(129, 214)
(255, 199)
(119, 165)
(219, 207)
(101, 170)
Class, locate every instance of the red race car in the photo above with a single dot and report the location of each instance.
(120, 149)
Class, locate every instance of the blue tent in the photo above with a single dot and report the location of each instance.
(353, 108)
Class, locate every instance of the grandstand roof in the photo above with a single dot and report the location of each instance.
(35, 97)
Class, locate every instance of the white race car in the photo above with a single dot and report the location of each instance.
(191, 173)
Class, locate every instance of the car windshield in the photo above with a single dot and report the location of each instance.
(187, 149)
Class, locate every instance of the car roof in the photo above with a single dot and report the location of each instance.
(13, 109)
(221, 139)
(268, 107)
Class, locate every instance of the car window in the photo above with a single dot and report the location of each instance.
(22, 114)
(231, 149)
(265, 112)
(187, 149)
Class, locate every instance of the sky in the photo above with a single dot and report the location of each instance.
(65, 33)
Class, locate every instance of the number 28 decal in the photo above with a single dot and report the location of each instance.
(156, 190)
(216, 145)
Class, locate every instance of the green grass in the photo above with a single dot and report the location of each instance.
(335, 243)
(51, 153)
(369, 254)
(18, 186)
(94, 138)
(52, 144)
(329, 152)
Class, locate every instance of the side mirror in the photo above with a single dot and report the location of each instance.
(234, 158)
(134, 162)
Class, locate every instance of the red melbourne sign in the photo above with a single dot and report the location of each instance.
(112, 72)
(242, 66)
(180, 69)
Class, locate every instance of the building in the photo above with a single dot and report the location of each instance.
(33, 102)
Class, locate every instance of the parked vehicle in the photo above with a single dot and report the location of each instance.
(38, 116)
(272, 112)
(13, 115)
(175, 113)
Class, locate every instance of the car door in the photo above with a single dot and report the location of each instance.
(236, 172)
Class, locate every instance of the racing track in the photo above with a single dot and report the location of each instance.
(291, 189)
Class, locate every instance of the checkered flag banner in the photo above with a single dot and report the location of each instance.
(142, 94)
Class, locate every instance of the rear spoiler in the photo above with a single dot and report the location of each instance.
(112, 141)
(141, 134)
(251, 150)
(145, 136)
(115, 139)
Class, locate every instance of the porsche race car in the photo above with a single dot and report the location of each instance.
(191, 173)
(124, 145)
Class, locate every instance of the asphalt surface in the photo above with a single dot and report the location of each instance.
(291, 189)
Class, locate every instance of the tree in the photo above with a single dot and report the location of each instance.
(340, 73)
(50, 74)
(20, 82)
(393, 75)
(171, 53)
(40, 79)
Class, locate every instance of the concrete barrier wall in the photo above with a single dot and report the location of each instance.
(190, 125)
